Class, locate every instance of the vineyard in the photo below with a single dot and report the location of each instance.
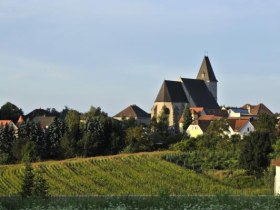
(125, 174)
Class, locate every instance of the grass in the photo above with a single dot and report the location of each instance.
(128, 174)
(218, 202)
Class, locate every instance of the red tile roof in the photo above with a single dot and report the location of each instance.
(5, 122)
(237, 123)
(257, 109)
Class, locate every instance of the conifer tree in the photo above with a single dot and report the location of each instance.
(28, 181)
(40, 185)
(187, 117)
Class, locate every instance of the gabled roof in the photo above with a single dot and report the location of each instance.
(8, 123)
(203, 124)
(200, 94)
(5, 122)
(133, 111)
(171, 91)
(36, 113)
(257, 109)
(206, 72)
(43, 121)
(237, 123)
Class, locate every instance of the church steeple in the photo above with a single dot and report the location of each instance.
(206, 72)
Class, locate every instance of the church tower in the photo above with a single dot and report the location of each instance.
(206, 73)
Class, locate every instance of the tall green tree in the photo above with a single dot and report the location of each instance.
(187, 117)
(28, 181)
(41, 187)
(7, 139)
(10, 111)
(254, 155)
(266, 123)
(55, 132)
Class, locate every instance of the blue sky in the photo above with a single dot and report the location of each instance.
(113, 53)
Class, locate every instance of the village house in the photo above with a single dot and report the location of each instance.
(134, 112)
(276, 163)
(199, 126)
(241, 126)
(236, 126)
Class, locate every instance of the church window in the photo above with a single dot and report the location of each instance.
(166, 111)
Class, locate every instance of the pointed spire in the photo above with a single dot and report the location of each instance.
(206, 72)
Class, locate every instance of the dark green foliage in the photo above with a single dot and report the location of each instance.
(266, 123)
(187, 117)
(28, 181)
(199, 160)
(7, 139)
(164, 201)
(40, 185)
(55, 132)
(31, 142)
(254, 155)
(10, 111)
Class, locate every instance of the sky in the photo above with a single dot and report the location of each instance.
(114, 53)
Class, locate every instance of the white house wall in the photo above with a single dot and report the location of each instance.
(277, 181)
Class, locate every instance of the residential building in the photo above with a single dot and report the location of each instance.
(135, 112)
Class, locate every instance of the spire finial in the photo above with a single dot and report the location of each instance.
(206, 53)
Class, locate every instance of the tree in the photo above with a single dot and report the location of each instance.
(6, 144)
(254, 155)
(218, 127)
(10, 111)
(28, 181)
(266, 123)
(55, 132)
(31, 140)
(187, 117)
(40, 185)
(163, 122)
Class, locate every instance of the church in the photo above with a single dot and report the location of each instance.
(198, 93)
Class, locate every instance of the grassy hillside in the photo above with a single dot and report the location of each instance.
(127, 174)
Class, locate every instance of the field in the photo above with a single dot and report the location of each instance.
(218, 202)
(130, 174)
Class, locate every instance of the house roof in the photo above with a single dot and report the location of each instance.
(36, 113)
(203, 124)
(257, 109)
(240, 110)
(200, 94)
(44, 121)
(133, 111)
(5, 122)
(20, 120)
(209, 117)
(237, 123)
(276, 162)
(206, 72)
(171, 91)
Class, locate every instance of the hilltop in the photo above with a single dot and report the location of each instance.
(125, 174)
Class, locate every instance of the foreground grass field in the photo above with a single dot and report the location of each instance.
(128, 174)
(124, 203)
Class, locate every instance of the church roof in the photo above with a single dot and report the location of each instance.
(206, 72)
(171, 91)
(200, 94)
(133, 111)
